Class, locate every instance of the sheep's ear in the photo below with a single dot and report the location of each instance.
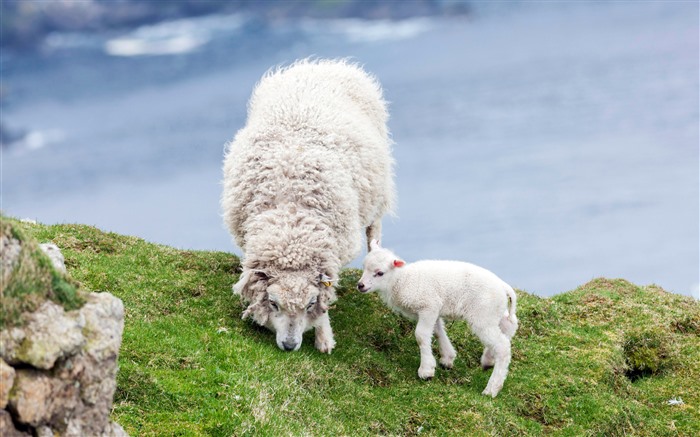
(242, 283)
(374, 244)
(261, 275)
(248, 278)
(399, 263)
(325, 280)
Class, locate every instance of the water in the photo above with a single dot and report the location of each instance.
(549, 142)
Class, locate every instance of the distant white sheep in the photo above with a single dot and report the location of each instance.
(428, 291)
(309, 174)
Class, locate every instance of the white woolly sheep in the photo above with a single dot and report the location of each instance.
(428, 291)
(310, 171)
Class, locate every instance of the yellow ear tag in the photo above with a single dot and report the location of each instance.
(326, 283)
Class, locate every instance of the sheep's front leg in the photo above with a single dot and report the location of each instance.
(324, 334)
(424, 337)
(447, 351)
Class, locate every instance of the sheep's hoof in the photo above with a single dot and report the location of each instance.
(325, 347)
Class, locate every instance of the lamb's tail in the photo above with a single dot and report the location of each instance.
(509, 322)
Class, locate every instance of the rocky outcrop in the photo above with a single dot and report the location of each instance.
(58, 368)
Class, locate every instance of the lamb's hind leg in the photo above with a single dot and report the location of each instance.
(374, 232)
(498, 346)
(487, 359)
(447, 351)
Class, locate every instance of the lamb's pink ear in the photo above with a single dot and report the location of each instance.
(399, 263)
(374, 244)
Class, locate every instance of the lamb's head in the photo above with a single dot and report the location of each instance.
(286, 302)
(378, 267)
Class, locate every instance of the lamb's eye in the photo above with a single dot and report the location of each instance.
(310, 306)
(379, 274)
(274, 306)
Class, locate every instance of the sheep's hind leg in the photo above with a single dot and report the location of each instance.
(447, 351)
(374, 232)
(499, 346)
(424, 337)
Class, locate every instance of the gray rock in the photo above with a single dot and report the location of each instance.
(44, 431)
(7, 427)
(7, 380)
(10, 339)
(49, 334)
(10, 249)
(70, 388)
(38, 399)
(55, 255)
(104, 324)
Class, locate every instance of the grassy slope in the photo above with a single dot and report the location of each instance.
(190, 366)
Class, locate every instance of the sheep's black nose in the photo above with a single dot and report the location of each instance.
(289, 345)
(360, 286)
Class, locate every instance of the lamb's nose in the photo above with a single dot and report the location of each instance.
(360, 286)
(289, 345)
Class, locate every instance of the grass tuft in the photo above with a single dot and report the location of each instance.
(647, 353)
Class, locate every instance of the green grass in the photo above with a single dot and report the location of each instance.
(599, 360)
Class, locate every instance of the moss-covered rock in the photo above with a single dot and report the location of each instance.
(29, 277)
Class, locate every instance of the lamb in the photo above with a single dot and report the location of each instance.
(430, 291)
(310, 171)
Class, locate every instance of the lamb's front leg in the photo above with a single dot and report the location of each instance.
(424, 337)
(324, 334)
(447, 351)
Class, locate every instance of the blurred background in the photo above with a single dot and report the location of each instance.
(551, 142)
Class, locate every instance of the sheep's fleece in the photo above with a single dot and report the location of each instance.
(309, 173)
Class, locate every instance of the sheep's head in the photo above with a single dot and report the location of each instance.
(378, 266)
(286, 302)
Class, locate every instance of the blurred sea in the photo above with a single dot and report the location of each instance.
(549, 142)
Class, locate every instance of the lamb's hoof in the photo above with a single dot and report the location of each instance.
(447, 366)
(486, 366)
(488, 392)
(491, 391)
(426, 374)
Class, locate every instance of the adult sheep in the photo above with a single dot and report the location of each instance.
(310, 171)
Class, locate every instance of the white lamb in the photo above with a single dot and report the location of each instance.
(429, 291)
(309, 174)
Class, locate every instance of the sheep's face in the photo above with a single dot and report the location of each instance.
(290, 304)
(378, 267)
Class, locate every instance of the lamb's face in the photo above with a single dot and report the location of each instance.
(378, 266)
(295, 301)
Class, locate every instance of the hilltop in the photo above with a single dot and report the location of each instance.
(602, 359)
